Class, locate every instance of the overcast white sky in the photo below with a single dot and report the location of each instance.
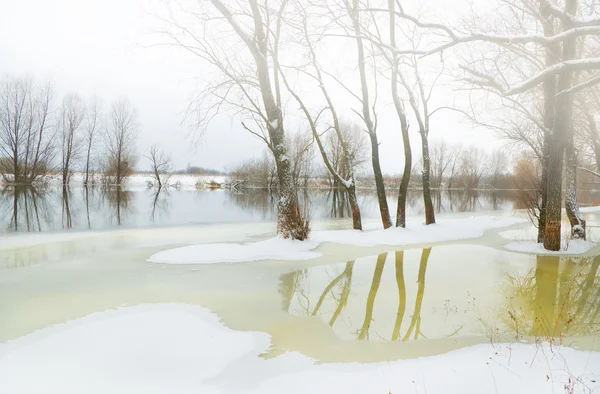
(91, 48)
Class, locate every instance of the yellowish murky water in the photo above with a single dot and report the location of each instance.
(352, 304)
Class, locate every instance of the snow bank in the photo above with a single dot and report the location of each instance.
(156, 349)
(418, 233)
(141, 349)
(568, 247)
(276, 248)
(282, 249)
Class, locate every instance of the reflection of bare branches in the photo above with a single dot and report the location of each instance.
(327, 290)
(401, 294)
(363, 333)
(415, 322)
(66, 211)
(159, 204)
(288, 285)
(25, 206)
(118, 199)
(346, 286)
(555, 303)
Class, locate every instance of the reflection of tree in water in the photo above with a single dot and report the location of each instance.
(297, 285)
(67, 220)
(118, 201)
(561, 297)
(363, 333)
(26, 207)
(160, 203)
(260, 201)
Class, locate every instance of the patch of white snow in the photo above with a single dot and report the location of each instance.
(276, 248)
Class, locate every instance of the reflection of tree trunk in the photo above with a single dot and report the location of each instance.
(587, 287)
(15, 209)
(345, 292)
(415, 322)
(26, 203)
(546, 278)
(364, 331)
(35, 210)
(155, 201)
(565, 287)
(288, 286)
(66, 209)
(328, 289)
(401, 294)
(118, 205)
(87, 205)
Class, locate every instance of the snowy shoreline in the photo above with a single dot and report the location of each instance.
(167, 348)
(281, 249)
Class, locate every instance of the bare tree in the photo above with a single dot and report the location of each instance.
(300, 151)
(555, 72)
(121, 134)
(441, 159)
(497, 166)
(26, 140)
(472, 163)
(353, 12)
(346, 152)
(93, 124)
(72, 114)
(252, 91)
(160, 163)
(454, 164)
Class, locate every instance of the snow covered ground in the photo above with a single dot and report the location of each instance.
(175, 348)
(525, 241)
(276, 248)
(282, 249)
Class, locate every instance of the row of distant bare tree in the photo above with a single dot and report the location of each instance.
(524, 62)
(452, 166)
(38, 138)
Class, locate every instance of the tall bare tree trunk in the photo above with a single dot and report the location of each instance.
(429, 211)
(354, 13)
(560, 136)
(402, 193)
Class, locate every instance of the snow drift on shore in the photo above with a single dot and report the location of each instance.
(282, 249)
(184, 349)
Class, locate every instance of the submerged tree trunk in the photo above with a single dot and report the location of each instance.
(563, 125)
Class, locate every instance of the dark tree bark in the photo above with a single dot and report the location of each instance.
(560, 138)
(290, 223)
(354, 14)
(403, 191)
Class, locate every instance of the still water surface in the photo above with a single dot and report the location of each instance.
(351, 304)
(30, 210)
